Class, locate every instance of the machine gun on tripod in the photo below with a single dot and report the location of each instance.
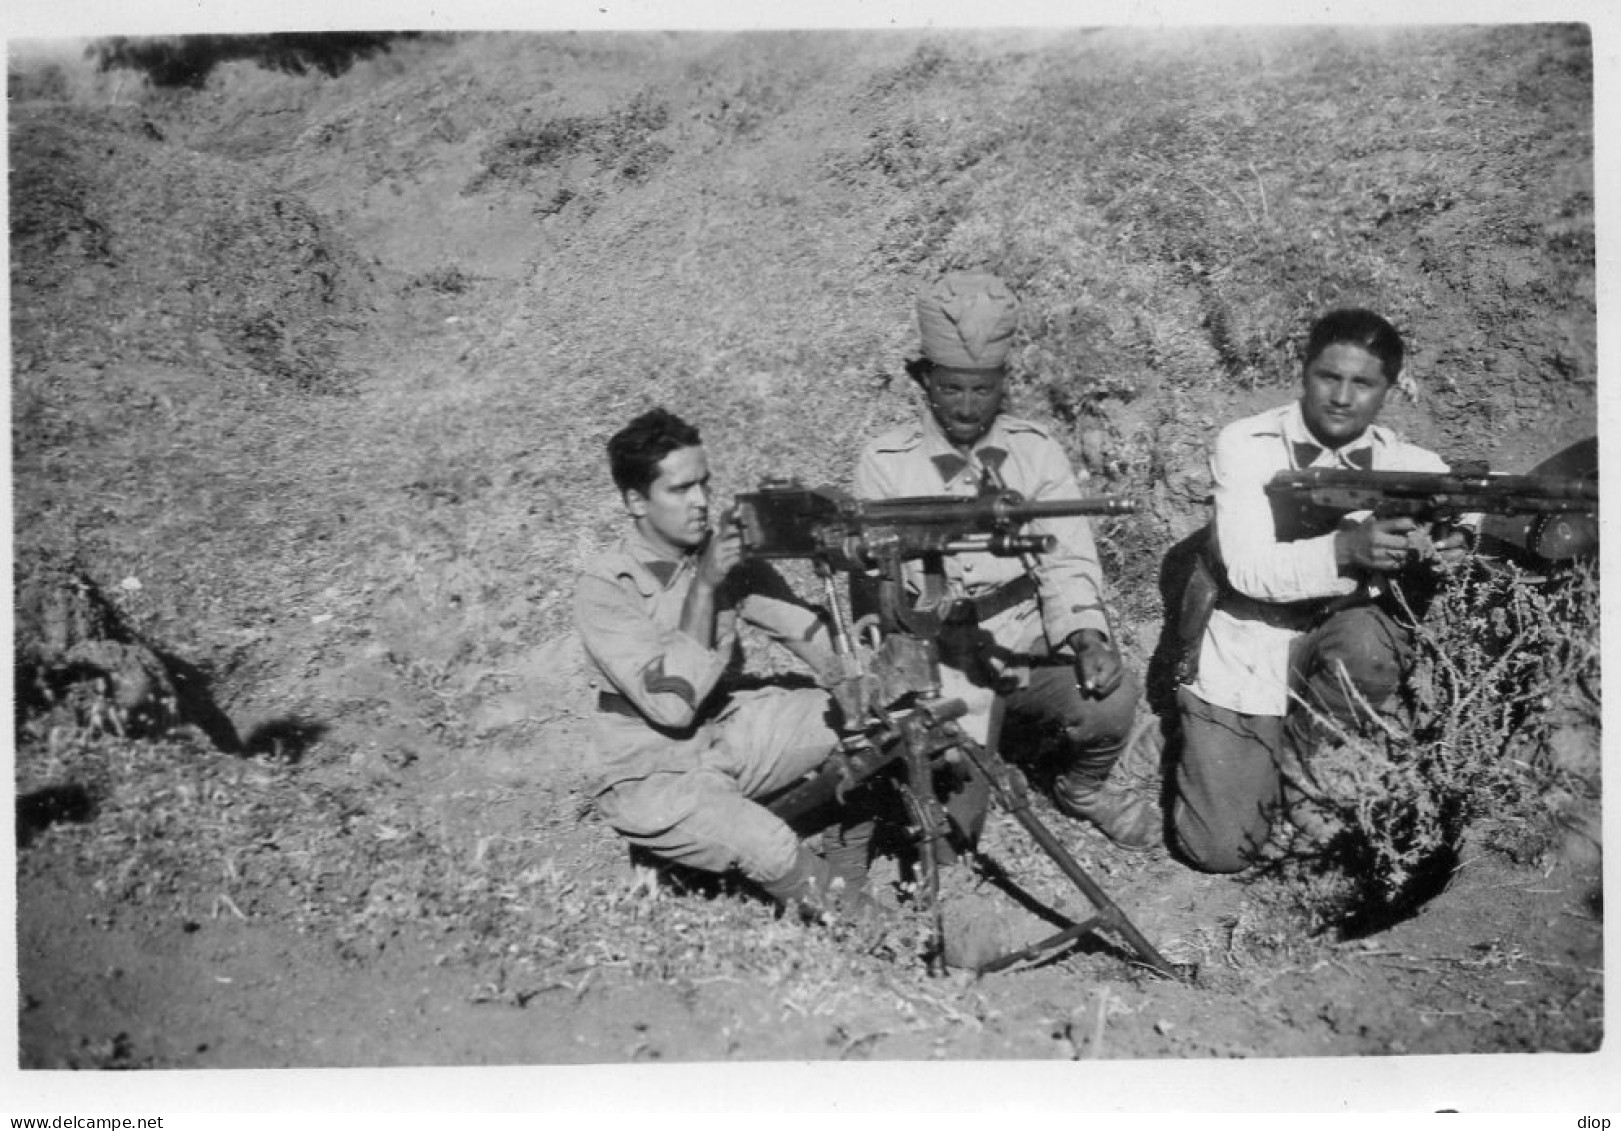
(898, 721)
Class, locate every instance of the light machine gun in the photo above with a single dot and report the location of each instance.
(1562, 511)
(897, 720)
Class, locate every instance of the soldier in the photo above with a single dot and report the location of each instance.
(1297, 597)
(1043, 641)
(682, 759)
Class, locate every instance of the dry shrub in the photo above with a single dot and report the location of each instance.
(621, 141)
(127, 247)
(1506, 669)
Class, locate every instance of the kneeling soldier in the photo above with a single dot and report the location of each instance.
(1301, 640)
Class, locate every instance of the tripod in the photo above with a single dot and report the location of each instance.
(904, 730)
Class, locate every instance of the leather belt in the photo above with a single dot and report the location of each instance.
(1296, 616)
(1004, 597)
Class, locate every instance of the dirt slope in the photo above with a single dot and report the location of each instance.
(326, 366)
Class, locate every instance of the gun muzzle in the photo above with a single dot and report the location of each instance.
(1004, 544)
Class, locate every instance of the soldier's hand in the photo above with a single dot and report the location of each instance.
(1098, 672)
(1452, 544)
(1379, 544)
(721, 552)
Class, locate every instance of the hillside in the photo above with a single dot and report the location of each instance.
(311, 379)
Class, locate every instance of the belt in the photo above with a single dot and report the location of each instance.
(1297, 616)
(1004, 597)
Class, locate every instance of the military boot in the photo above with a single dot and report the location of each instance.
(813, 892)
(847, 848)
(806, 890)
(1088, 790)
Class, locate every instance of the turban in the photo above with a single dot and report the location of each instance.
(966, 320)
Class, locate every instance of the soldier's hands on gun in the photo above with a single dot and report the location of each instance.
(1098, 671)
(1386, 545)
(722, 549)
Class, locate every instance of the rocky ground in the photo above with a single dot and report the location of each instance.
(310, 380)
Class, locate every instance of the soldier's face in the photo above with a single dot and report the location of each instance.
(1344, 388)
(675, 509)
(965, 403)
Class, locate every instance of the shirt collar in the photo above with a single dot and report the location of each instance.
(659, 560)
(1299, 436)
(990, 449)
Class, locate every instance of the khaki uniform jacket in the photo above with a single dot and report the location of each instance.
(917, 459)
(627, 606)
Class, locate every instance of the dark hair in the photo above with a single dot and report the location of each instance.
(637, 449)
(1357, 327)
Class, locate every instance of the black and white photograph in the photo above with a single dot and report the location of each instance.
(1060, 554)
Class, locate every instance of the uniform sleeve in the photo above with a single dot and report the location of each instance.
(766, 600)
(1070, 578)
(1258, 565)
(770, 604)
(663, 671)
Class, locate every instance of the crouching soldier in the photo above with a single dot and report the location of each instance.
(683, 761)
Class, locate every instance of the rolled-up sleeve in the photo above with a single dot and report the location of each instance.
(1258, 565)
(663, 671)
(767, 601)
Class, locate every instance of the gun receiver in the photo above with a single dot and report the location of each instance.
(786, 520)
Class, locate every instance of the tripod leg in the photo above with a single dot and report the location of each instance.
(931, 820)
(1008, 788)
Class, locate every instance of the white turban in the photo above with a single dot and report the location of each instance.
(966, 320)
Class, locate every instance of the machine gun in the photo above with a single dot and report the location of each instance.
(898, 724)
(826, 525)
(1562, 511)
(785, 520)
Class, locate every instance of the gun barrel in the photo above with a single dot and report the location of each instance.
(785, 520)
(1501, 494)
(1003, 544)
(988, 510)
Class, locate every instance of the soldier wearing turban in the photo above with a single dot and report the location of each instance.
(1044, 642)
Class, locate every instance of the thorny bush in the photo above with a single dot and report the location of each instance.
(1503, 660)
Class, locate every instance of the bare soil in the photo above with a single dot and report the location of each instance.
(311, 377)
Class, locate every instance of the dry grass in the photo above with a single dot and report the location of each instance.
(748, 219)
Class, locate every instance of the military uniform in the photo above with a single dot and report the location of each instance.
(1026, 615)
(1287, 620)
(679, 757)
(1025, 608)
